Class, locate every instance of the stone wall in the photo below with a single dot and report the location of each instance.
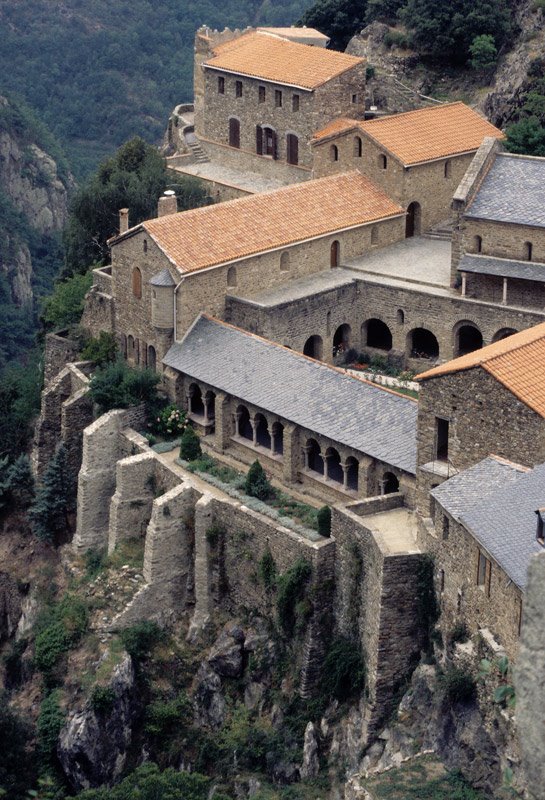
(244, 160)
(529, 680)
(484, 418)
(404, 309)
(456, 554)
(65, 411)
(503, 239)
(376, 600)
(59, 350)
(99, 312)
(431, 184)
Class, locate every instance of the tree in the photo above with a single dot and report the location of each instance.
(383, 10)
(190, 445)
(16, 765)
(483, 52)
(116, 385)
(65, 306)
(257, 484)
(134, 178)
(339, 19)
(20, 482)
(445, 31)
(324, 521)
(526, 136)
(49, 514)
(101, 349)
(20, 388)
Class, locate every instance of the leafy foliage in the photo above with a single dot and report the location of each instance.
(134, 178)
(170, 421)
(102, 699)
(343, 671)
(50, 722)
(190, 446)
(55, 499)
(65, 306)
(483, 52)
(339, 19)
(16, 483)
(257, 484)
(16, 763)
(59, 629)
(324, 521)
(149, 783)
(459, 685)
(20, 387)
(445, 31)
(291, 589)
(141, 638)
(117, 385)
(527, 137)
(267, 569)
(101, 349)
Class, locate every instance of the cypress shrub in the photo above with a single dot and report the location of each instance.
(257, 484)
(324, 521)
(190, 446)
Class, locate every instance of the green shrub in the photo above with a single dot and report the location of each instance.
(483, 52)
(166, 719)
(65, 306)
(54, 500)
(147, 782)
(291, 589)
(101, 349)
(141, 638)
(324, 521)
(66, 624)
(190, 446)
(343, 671)
(50, 722)
(50, 645)
(257, 484)
(94, 560)
(458, 685)
(397, 39)
(102, 699)
(267, 569)
(117, 385)
(16, 761)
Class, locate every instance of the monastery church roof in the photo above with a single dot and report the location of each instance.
(309, 393)
(236, 229)
(517, 362)
(263, 55)
(426, 134)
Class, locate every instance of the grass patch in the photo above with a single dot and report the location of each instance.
(130, 552)
(422, 779)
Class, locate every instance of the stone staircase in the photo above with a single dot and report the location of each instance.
(443, 230)
(199, 154)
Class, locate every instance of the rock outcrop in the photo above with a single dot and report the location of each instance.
(93, 745)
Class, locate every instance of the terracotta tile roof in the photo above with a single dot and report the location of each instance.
(517, 362)
(271, 58)
(204, 237)
(335, 126)
(430, 133)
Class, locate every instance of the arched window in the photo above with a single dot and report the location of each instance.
(314, 460)
(412, 220)
(130, 346)
(262, 435)
(277, 438)
(390, 483)
(314, 347)
(137, 283)
(123, 345)
(375, 333)
(232, 277)
(195, 401)
(503, 333)
(383, 161)
(334, 253)
(334, 152)
(400, 316)
(341, 340)
(477, 244)
(358, 147)
(152, 358)
(234, 132)
(352, 467)
(145, 245)
(374, 234)
(447, 169)
(467, 338)
(334, 471)
(244, 426)
(292, 143)
(421, 343)
(284, 261)
(528, 251)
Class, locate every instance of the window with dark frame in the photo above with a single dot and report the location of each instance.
(278, 98)
(238, 88)
(262, 94)
(295, 102)
(484, 573)
(221, 85)
(441, 439)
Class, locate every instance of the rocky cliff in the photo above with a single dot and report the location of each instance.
(34, 189)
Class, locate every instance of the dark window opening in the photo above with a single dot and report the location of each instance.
(295, 102)
(441, 439)
(528, 251)
(292, 148)
(358, 147)
(334, 152)
(234, 132)
(245, 429)
(278, 98)
(423, 344)
(262, 94)
(378, 335)
(238, 88)
(391, 483)
(334, 254)
(383, 162)
(412, 220)
(469, 338)
(314, 347)
(341, 340)
(221, 85)
(262, 435)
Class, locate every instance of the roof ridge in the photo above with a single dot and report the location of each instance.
(416, 111)
(509, 463)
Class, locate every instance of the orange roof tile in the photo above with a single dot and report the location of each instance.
(271, 58)
(306, 33)
(517, 362)
(335, 126)
(205, 237)
(430, 133)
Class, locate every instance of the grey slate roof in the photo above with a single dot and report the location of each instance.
(512, 191)
(305, 392)
(503, 267)
(503, 519)
(163, 278)
(466, 490)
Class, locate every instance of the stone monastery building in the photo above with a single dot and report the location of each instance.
(337, 238)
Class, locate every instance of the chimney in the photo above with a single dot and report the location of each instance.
(123, 220)
(540, 533)
(168, 204)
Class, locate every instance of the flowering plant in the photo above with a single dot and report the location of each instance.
(170, 421)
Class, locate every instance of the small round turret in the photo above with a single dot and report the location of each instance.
(162, 300)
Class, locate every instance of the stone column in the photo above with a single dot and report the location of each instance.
(291, 453)
(344, 467)
(464, 283)
(238, 417)
(306, 452)
(189, 398)
(325, 459)
(504, 295)
(223, 422)
(253, 423)
(205, 402)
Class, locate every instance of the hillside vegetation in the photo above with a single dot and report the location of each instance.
(98, 73)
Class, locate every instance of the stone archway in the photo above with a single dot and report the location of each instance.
(421, 343)
(413, 220)
(314, 347)
(467, 338)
